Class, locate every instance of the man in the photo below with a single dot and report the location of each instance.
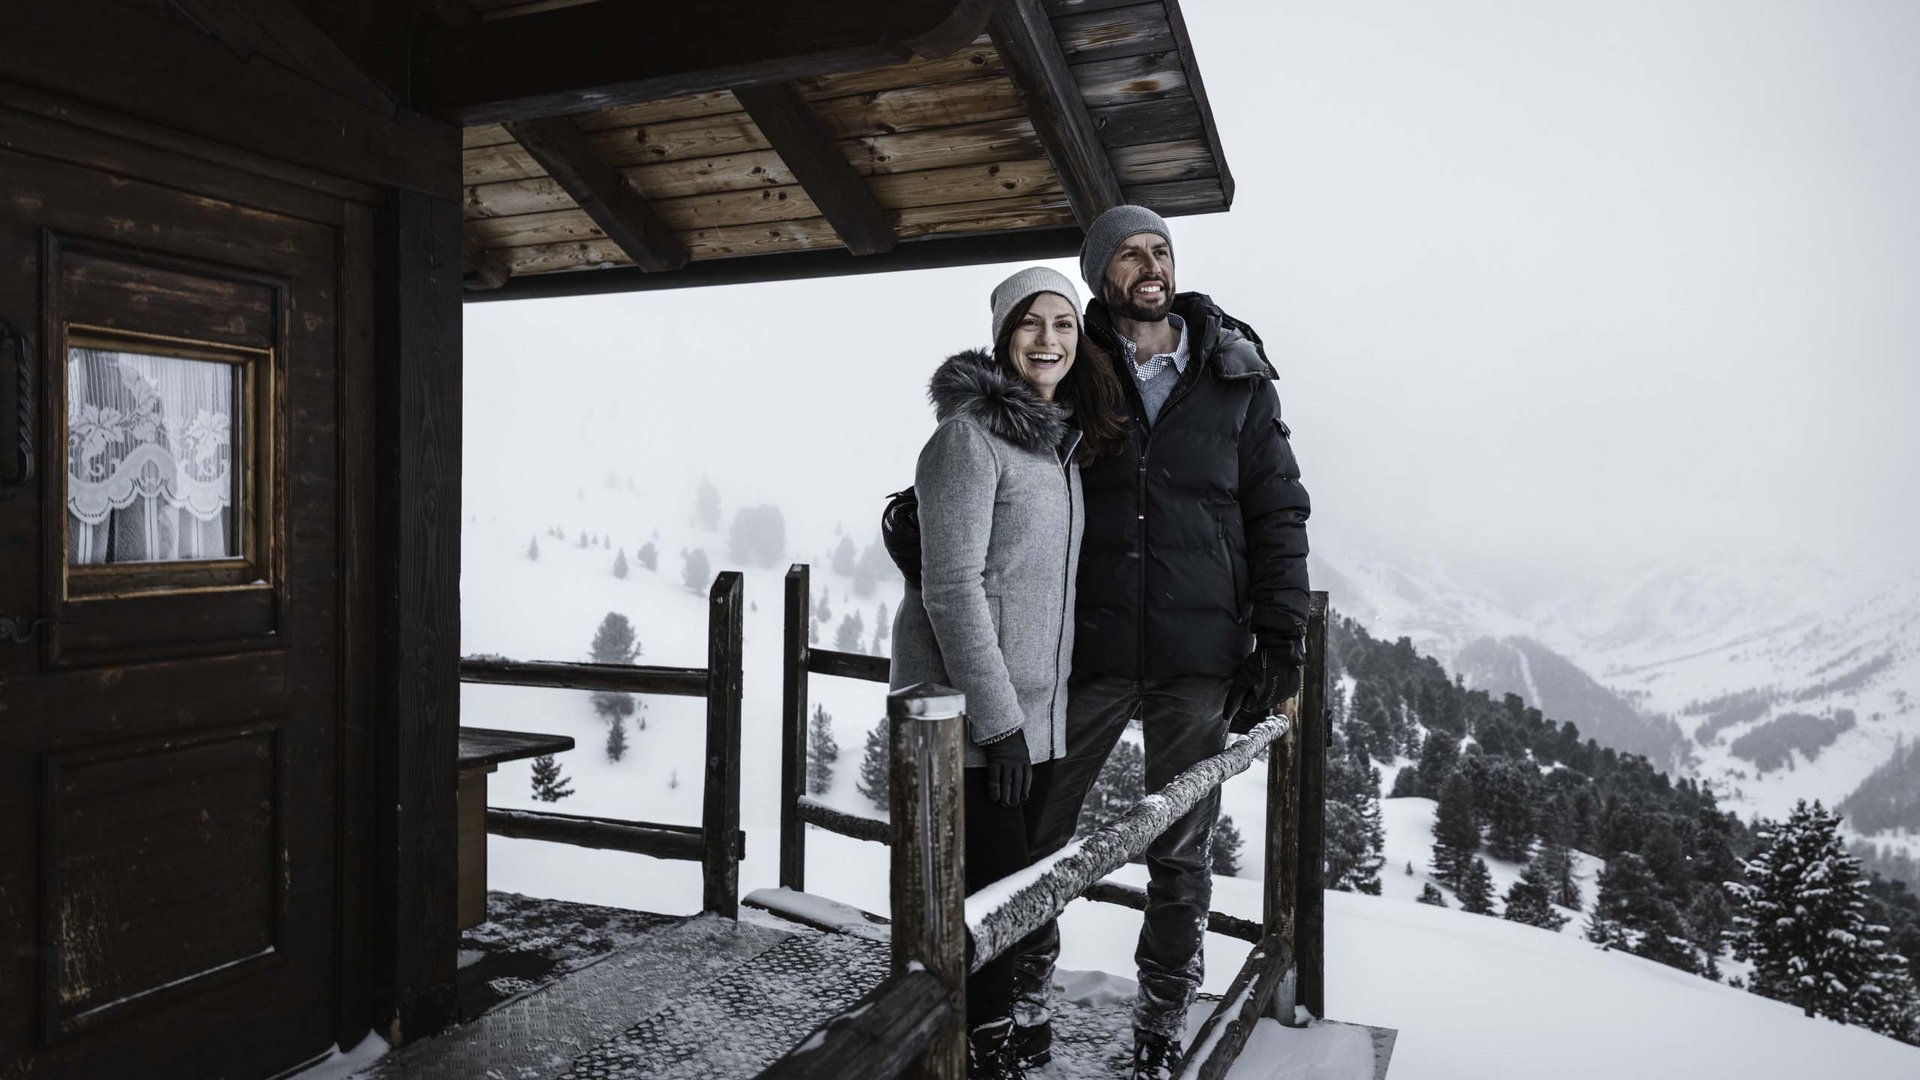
(1192, 605)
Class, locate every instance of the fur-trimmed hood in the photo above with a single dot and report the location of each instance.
(968, 385)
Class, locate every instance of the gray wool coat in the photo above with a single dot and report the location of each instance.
(1000, 523)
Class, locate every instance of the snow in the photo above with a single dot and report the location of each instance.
(344, 1064)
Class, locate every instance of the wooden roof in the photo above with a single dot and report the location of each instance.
(1002, 149)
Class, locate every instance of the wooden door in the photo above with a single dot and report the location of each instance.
(170, 735)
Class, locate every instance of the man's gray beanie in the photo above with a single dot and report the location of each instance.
(1034, 279)
(1105, 234)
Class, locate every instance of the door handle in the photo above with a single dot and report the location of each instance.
(16, 423)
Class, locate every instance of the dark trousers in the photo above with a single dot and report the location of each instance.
(1183, 721)
(999, 842)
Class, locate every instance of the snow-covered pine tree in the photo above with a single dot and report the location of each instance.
(617, 739)
(1632, 912)
(852, 629)
(1529, 900)
(1802, 922)
(1456, 835)
(1355, 834)
(1556, 865)
(706, 507)
(1476, 887)
(620, 564)
(695, 573)
(843, 557)
(648, 556)
(822, 612)
(1506, 798)
(1429, 894)
(882, 629)
(533, 549)
(1122, 782)
(1226, 846)
(822, 751)
(1437, 757)
(1708, 916)
(549, 785)
(613, 643)
(873, 781)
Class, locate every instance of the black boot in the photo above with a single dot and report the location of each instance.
(1032, 1044)
(1155, 1057)
(990, 1052)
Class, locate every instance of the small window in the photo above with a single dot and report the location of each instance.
(161, 438)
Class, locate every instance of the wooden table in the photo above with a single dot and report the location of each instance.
(481, 752)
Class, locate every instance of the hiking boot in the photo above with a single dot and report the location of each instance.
(1155, 1056)
(1032, 1044)
(990, 1052)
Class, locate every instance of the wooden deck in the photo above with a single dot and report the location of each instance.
(558, 991)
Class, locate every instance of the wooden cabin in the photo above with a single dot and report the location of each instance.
(237, 235)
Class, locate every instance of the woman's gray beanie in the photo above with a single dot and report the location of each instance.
(1105, 234)
(1034, 279)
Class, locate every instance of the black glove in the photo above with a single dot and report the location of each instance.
(1266, 679)
(1009, 771)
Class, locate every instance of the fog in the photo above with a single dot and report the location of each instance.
(1552, 288)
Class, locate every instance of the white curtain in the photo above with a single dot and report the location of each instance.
(149, 458)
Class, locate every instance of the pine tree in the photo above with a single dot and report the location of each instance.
(1631, 911)
(1802, 922)
(1507, 798)
(533, 549)
(843, 557)
(617, 739)
(873, 566)
(822, 751)
(707, 506)
(1556, 864)
(620, 564)
(1429, 894)
(847, 638)
(1121, 783)
(648, 556)
(1226, 846)
(1456, 835)
(822, 611)
(873, 781)
(882, 630)
(694, 572)
(1476, 887)
(613, 643)
(1355, 834)
(1708, 917)
(1529, 900)
(549, 785)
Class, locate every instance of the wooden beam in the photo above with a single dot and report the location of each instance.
(562, 149)
(589, 57)
(1024, 36)
(482, 267)
(795, 132)
(849, 665)
(416, 578)
(1217, 1045)
(1183, 45)
(1047, 243)
(638, 837)
(568, 675)
(882, 1034)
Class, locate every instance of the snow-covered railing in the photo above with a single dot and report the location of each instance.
(718, 844)
(798, 661)
(933, 922)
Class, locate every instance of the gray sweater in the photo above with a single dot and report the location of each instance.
(1000, 523)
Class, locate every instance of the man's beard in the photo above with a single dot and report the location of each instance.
(1125, 306)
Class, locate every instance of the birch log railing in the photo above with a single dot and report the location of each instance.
(933, 922)
(718, 843)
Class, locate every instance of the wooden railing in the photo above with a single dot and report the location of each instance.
(930, 926)
(718, 844)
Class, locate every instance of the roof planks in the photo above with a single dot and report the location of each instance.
(944, 148)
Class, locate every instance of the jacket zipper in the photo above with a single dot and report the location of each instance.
(1066, 583)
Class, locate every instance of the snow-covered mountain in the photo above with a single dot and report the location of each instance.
(1775, 679)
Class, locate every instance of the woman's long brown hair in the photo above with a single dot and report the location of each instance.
(1091, 390)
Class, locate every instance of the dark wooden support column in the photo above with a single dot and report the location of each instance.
(793, 727)
(562, 149)
(417, 611)
(1024, 37)
(809, 149)
(720, 810)
(1310, 905)
(928, 868)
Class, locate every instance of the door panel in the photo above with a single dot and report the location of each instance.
(170, 755)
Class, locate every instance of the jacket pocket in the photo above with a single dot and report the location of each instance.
(1236, 600)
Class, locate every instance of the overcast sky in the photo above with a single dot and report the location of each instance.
(1549, 285)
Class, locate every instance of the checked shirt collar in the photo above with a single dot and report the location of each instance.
(1144, 370)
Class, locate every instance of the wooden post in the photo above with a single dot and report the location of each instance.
(720, 814)
(793, 727)
(928, 875)
(1310, 904)
(415, 725)
(1278, 914)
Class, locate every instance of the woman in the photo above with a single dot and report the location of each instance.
(998, 486)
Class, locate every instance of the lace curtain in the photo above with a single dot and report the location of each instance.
(149, 458)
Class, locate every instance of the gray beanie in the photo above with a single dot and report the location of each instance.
(1105, 234)
(1034, 279)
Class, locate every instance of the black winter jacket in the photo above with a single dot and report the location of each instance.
(1196, 533)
